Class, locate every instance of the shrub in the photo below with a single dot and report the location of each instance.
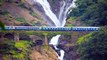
(21, 20)
(23, 49)
(33, 14)
(5, 12)
(17, 50)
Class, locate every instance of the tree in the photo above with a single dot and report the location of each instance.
(92, 12)
(93, 46)
(2, 26)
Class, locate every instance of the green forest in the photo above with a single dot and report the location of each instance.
(93, 13)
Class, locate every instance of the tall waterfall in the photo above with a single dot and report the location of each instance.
(58, 20)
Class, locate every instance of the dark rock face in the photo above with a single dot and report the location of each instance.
(69, 48)
(71, 54)
(55, 4)
(38, 7)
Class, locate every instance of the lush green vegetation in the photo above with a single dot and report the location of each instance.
(70, 25)
(17, 50)
(92, 12)
(40, 33)
(24, 48)
(93, 46)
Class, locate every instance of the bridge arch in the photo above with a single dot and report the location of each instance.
(9, 36)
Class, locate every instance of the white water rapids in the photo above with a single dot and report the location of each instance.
(59, 20)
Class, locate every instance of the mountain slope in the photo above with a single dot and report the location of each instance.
(19, 13)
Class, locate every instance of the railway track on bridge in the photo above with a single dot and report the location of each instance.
(51, 28)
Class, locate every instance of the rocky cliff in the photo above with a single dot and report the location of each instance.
(19, 12)
(43, 53)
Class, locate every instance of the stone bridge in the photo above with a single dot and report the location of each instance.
(75, 32)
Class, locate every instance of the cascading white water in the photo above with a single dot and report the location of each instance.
(59, 21)
(48, 11)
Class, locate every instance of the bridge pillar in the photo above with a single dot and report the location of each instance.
(46, 40)
(1, 37)
(74, 36)
(16, 36)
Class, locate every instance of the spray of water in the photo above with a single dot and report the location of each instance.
(59, 20)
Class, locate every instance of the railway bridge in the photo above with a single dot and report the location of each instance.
(51, 28)
(76, 31)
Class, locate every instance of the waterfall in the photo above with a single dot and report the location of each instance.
(59, 20)
(48, 11)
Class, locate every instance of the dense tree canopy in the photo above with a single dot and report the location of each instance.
(92, 12)
(93, 46)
